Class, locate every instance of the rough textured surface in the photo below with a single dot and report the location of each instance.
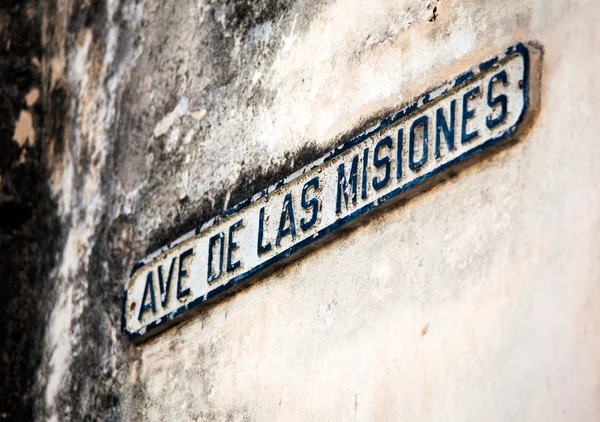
(475, 301)
(26, 213)
(89, 48)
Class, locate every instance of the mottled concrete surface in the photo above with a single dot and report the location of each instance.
(26, 212)
(127, 123)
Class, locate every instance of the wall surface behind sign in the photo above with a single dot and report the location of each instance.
(477, 300)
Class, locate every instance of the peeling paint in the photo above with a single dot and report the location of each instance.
(166, 122)
(198, 114)
(32, 97)
(24, 131)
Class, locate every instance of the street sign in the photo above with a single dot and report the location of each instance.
(423, 143)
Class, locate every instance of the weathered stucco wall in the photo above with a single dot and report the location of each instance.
(476, 300)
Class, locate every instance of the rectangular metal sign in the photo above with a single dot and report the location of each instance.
(406, 153)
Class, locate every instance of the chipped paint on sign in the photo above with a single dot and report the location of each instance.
(406, 153)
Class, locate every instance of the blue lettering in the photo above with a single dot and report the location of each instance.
(310, 204)
(287, 213)
(164, 291)
(500, 99)
(399, 153)
(378, 162)
(212, 275)
(468, 114)
(441, 125)
(342, 185)
(152, 305)
(183, 273)
(262, 248)
(232, 246)
(363, 184)
(424, 122)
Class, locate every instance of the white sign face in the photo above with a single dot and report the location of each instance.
(405, 153)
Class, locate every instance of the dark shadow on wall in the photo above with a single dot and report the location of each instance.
(27, 222)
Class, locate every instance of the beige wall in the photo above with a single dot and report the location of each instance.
(478, 300)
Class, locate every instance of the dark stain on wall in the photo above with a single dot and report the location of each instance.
(203, 64)
(32, 236)
(28, 226)
(91, 389)
(249, 182)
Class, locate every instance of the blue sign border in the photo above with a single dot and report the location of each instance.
(167, 320)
